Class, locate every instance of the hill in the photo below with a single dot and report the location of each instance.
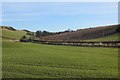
(97, 33)
(110, 37)
(86, 34)
(11, 33)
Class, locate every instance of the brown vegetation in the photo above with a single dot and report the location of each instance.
(83, 34)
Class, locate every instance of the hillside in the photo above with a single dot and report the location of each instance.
(97, 33)
(12, 34)
(110, 37)
(85, 34)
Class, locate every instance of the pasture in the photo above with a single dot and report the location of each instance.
(110, 37)
(13, 34)
(29, 60)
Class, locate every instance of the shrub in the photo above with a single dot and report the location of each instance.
(24, 39)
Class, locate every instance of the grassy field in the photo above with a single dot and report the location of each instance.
(28, 60)
(13, 34)
(110, 37)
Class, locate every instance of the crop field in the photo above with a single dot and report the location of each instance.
(28, 60)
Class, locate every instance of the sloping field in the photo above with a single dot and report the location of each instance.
(12, 34)
(28, 60)
(85, 34)
(110, 37)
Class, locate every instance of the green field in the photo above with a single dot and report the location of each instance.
(13, 34)
(28, 60)
(110, 37)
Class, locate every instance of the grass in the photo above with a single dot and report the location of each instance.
(28, 60)
(13, 34)
(110, 37)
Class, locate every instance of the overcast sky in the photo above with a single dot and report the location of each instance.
(58, 16)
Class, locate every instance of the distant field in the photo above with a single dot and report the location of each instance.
(13, 34)
(110, 37)
(28, 60)
(18, 34)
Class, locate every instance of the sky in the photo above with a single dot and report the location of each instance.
(58, 16)
(60, 0)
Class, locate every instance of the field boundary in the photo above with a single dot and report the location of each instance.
(60, 79)
(82, 43)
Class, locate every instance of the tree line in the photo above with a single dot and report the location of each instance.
(30, 36)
